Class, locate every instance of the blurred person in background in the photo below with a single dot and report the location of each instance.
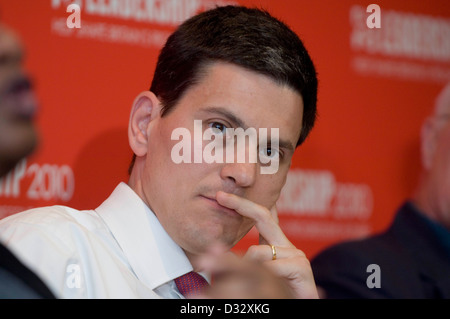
(413, 255)
(18, 138)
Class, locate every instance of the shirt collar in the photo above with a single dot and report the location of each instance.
(152, 254)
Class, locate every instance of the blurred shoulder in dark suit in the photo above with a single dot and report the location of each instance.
(413, 255)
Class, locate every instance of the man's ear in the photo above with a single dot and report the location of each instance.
(428, 142)
(146, 107)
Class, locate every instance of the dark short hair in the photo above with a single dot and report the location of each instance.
(247, 37)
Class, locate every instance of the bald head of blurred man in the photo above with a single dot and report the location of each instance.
(433, 192)
(18, 105)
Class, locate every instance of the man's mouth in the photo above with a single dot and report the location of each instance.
(20, 99)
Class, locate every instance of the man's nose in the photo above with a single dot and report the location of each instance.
(241, 174)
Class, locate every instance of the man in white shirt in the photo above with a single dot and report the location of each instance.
(226, 69)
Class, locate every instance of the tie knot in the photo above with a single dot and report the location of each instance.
(190, 283)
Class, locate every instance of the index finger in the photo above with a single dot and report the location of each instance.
(265, 223)
(274, 213)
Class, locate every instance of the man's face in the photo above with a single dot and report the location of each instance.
(183, 195)
(17, 104)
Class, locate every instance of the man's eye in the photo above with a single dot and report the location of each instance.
(218, 127)
(269, 152)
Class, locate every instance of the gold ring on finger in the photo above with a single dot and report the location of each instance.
(274, 252)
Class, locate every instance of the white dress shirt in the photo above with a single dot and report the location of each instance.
(119, 250)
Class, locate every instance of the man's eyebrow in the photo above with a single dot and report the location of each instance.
(240, 123)
(226, 113)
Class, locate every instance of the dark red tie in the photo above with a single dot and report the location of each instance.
(190, 283)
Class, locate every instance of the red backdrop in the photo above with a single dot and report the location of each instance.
(360, 162)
